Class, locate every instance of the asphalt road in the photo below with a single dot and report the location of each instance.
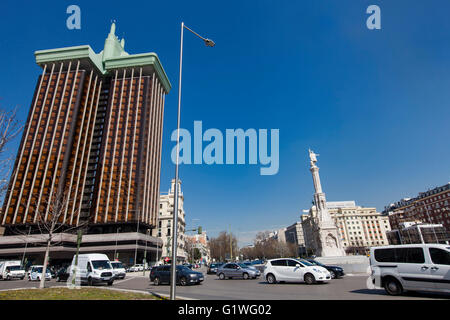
(348, 288)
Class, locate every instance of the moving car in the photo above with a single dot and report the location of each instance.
(293, 270)
(137, 267)
(335, 271)
(119, 270)
(411, 267)
(235, 270)
(184, 275)
(35, 273)
(212, 268)
(11, 270)
(62, 274)
(93, 268)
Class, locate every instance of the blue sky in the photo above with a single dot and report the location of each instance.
(373, 104)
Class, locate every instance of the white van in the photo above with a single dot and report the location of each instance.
(93, 268)
(11, 270)
(414, 267)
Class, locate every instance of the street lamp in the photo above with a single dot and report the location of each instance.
(115, 248)
(208, 43)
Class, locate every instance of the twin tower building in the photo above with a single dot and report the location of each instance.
(91, 146)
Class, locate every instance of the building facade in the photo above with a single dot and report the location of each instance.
(92, 143)
(164, 230)
(200, 242)
(294, 234)
(358, 227)
(417, 232)
(432, 207)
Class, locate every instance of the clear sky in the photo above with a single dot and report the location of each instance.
(373, 103)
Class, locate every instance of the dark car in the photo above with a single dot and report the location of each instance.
(212, 268)
(62, 274)
(335, 271)
(184, 275)
(188, 265)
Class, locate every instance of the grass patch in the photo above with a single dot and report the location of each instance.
(73, 294)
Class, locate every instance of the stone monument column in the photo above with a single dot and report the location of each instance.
(326, 233)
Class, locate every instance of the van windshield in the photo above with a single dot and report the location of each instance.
(14, 268)
(101, 264)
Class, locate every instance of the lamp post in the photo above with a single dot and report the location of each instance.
(208, 43)
(145, 252)
(115, 248)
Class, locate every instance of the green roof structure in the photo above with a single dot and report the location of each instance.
(112, 57)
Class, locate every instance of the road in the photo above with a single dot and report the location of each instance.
(348, 288)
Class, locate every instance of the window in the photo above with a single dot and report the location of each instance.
(292, 263)
(439, 256)
(400, 255)
(279, 263)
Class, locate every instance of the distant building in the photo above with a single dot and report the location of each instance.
(417, 232)
(432, 207)
(358, 227)
(200, 241)
(294, 234)
(165, 223)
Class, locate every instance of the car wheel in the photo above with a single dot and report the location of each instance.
(333, 274)
(245, 275)
(156, 281)
(393, 287)
(110, 283)
(183, 281)
(221, 276)
(309, 278)
(271, 279)
(89, 281)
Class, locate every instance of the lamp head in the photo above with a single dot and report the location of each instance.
(209, 43)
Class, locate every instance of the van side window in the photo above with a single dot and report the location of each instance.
(400, 255)
(439, 256)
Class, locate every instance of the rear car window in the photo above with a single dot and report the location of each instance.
(279, 263)
(439, 256)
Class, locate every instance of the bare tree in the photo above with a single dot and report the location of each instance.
(221, 246)
(50, 222)
(9, 129)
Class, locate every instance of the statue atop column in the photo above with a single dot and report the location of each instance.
(326, 233)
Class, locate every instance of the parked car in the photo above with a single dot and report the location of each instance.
(35, 273)
(335, 271)
(234, 270)
(184, 275)
(118, 269)
(411, 267)
(137, 267)
(93, 268)
(62, 274)
(293, 270)
(212, 268)
(11, 270)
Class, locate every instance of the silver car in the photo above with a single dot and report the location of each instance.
(237, 270)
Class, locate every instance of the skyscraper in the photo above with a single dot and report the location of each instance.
(93, 136)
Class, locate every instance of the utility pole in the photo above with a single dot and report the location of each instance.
(26, 245)
(79, 237)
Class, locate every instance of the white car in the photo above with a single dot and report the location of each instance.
(35, 273)
(119, 270)
(137, 267)
(411, 267)
(293, 270)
